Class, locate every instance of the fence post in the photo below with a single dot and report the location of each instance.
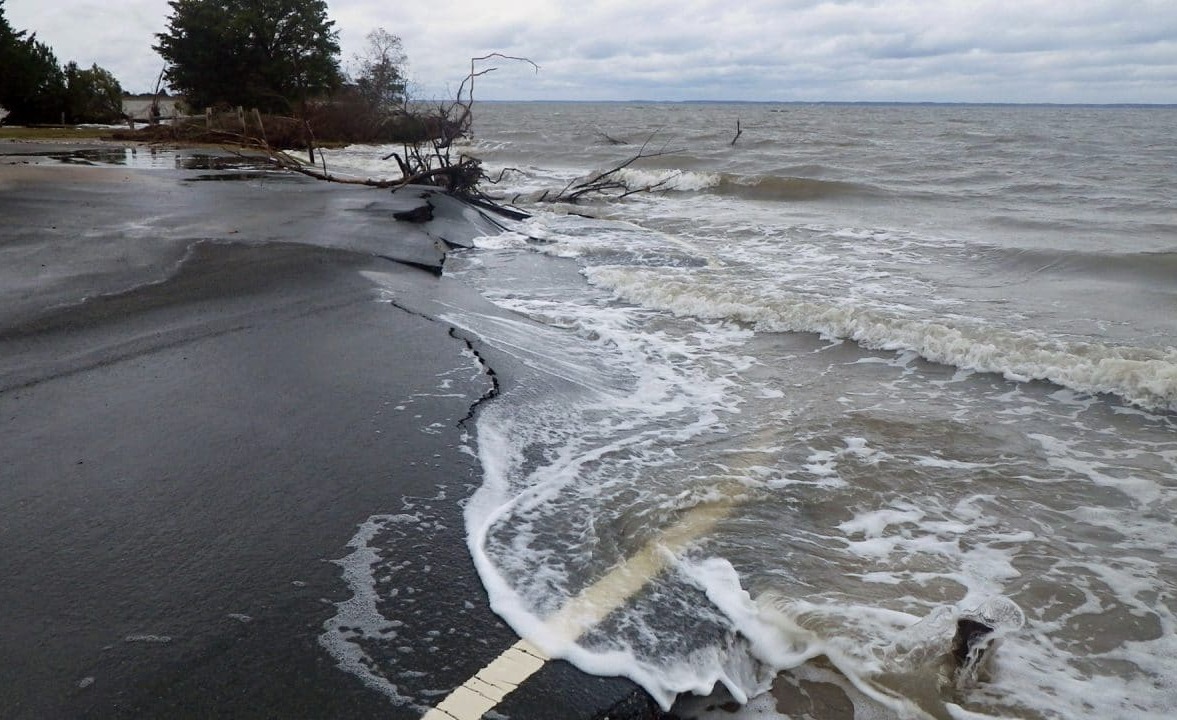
(257, 115)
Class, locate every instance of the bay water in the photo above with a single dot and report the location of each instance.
(849, 374)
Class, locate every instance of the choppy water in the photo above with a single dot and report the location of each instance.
(867, 370)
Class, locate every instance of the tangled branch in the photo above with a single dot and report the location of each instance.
(608, 139)
(610, 183)
(425, 161)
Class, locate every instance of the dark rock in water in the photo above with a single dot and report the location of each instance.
(970, 643)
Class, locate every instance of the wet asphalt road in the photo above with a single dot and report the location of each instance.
(183, 461)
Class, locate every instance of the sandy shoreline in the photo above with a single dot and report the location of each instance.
(200, 405)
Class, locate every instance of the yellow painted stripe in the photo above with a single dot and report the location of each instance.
(508, 671)
(491, 684)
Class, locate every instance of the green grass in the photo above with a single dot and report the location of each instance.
(52, 133)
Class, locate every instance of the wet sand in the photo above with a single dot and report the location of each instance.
(197, 411)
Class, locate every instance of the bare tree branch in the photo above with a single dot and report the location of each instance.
(427, 161)
(501, 175)
(610, 140)
(609, 183)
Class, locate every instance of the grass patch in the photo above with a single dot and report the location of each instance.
(18, 132)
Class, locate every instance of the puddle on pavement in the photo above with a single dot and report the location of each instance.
(231, 176)
(161, 159)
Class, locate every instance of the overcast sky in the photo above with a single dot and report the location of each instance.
(1088, 51)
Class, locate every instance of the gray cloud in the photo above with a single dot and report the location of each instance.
(914, 50)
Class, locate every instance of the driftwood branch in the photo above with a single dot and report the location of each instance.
(502, 173)
(609, 139)
(738, 132)
(609, 182)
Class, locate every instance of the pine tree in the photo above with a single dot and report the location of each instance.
(269, 54)
(32, 84)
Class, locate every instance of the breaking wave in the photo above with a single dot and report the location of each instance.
(750, 187)
(1142, 376)
(770, 187)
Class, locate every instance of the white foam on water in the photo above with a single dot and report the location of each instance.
(361, 162)
(1070, 457)
(678, 180)
(503, 241)
(896, 497)
(633, 397)
(654, 427)
(860, 502)
(1056, 665)
(1143, 376)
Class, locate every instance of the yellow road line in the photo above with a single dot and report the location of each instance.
(489, 686)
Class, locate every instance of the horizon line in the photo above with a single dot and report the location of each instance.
(1003, 103)
(711, 101)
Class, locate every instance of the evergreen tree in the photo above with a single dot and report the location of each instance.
(92, 96)
(11, 58)
(32, 84)
(269, 54)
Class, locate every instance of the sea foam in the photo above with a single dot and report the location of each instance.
(1142, 376)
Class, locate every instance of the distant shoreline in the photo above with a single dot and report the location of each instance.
(857, 103)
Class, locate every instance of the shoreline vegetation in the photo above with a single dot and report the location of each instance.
(330, 126)
(53, 133)
(263, 79)
(425, 137)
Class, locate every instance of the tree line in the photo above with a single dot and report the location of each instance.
(274, 55)
(34, 88)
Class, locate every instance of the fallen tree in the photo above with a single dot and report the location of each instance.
(611, 183)
(425, 157)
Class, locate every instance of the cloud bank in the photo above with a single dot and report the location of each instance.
(1078, 51)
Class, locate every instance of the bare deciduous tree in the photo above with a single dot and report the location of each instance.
(380, 72)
